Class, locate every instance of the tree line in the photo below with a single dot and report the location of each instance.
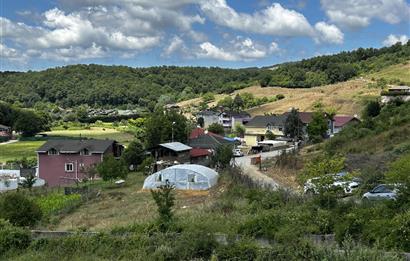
(329, 69)
(114, 86)
(28, 122)
(104, 86)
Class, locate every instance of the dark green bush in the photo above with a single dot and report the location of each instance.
(399, 236)
(241, 250)
(12, 238)
(19, 210)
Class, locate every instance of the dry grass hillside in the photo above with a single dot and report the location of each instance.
(345, 97)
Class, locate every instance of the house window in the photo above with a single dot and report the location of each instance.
(81, 165)
(191, 177)
(69, 167)
(52, 152)
(85, 152)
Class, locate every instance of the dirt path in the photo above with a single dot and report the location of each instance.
(8, 142)
(253, 172)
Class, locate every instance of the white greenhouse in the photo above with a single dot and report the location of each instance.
(184, 176)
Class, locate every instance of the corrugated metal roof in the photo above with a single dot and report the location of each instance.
(199, 152)
(175, 146)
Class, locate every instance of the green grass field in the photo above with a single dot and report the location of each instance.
(21, 149)
(399, 71)
(94, 133)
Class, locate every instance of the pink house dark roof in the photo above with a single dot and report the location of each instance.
(75, 146)
(340, 120)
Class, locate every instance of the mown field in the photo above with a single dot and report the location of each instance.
(19, 150)
(93, 133)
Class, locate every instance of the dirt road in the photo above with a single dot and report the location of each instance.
(253, 171)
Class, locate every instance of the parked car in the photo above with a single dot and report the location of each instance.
(381, 192)
(340, 181)
(237, 153)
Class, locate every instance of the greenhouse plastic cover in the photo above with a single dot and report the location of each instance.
(184, 176)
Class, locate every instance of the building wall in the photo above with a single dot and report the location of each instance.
(209, 119)
(387, 99)
(203, 160)
(253, 135)
(250, 139)
(52, 167)
(171, 156)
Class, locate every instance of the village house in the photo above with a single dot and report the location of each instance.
(396, 92)
(258, 126)
(228, 119)
(306, 118)
(342, 121)
(63, 162)
(5, 133)
(204, 144)
(209, 117)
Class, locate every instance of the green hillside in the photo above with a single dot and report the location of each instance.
(114, 86)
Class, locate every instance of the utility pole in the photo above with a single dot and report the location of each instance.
(172, 139)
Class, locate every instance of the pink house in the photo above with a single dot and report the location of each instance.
(61, 162)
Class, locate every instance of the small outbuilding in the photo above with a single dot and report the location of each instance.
(171, 152)
(184, 177)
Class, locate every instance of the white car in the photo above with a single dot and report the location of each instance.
(237, 153)
(339, 181)
(381, 192)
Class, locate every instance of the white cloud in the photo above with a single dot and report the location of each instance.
(274, 47)
(273, 20)
(209, 50)
(176, 45)
(6, 52)
(359, 13)
(328, 33)
(393, 39)
(239, 49)
(122, 27)
(71, 53)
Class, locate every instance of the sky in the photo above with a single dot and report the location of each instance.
(39, 34)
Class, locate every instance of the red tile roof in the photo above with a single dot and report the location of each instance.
(199, 131)
(195, 152)
(306, 117)
(340, 121)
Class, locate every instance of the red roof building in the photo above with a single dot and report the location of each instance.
(341, 121)
(197, 152)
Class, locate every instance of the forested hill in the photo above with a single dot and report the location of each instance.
(98, 85)
(329, 69)
(118, 85)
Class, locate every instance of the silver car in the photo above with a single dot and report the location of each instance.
(381, 192)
